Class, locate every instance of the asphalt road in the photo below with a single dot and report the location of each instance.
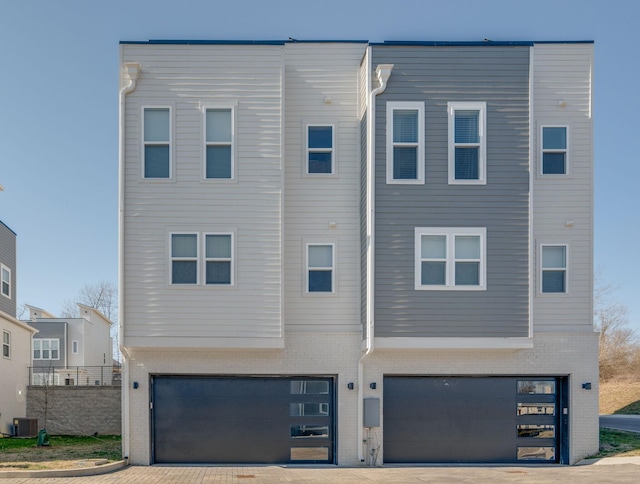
(630, 423)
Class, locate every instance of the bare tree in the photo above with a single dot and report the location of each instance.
(102, 296)
(619, 347)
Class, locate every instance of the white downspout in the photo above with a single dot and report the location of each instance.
(131, 72)
(383, 72)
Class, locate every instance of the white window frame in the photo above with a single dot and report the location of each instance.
(420, 145)
(173, 259)
(331, 268)
(144, 143)
(565, 151)
(74, 347)
(6, 344)
(542, 269)
(40, 343)
(233, 144)
(5, 270)
(216, 259)
(201, 258)
(452, 107)
(450, 234)
(309, 150)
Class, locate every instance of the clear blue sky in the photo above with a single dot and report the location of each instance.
(59, 118)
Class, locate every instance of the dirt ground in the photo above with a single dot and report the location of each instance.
(618, 394)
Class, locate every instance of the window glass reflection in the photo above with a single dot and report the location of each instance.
(309, 409)
(536, 453)
(309, 387)
(309, 431)
(531, 387)
(537, 431)
(309, 453)
(536, 409)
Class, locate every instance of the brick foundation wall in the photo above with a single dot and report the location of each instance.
(76, 410)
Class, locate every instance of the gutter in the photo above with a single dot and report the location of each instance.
(129, 74)
(383, 72)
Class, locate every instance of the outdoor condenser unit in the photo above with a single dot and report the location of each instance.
(25, 427)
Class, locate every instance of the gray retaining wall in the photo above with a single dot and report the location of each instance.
(76, 410)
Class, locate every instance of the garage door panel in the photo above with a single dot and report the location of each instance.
(235, 420)
(465, 419)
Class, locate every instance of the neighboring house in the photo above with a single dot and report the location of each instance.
(71, 351)
(357, 253)
(16, 338)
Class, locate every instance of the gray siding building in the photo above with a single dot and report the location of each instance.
(7, 270)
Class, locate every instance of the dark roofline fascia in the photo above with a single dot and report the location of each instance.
(241, 42)
(206, 42)
(404, 43)
(8, 228)
(447, 43)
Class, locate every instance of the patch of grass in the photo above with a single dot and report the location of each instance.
(618, 443)
(61, 448)
(631, 409)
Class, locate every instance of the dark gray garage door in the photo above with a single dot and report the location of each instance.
(200, 419)
(462, 419)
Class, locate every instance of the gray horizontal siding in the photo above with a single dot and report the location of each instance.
(498, 76)
(8, 258)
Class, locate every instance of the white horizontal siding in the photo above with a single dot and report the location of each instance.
(313, 73)
(187, 78)
(562, 74)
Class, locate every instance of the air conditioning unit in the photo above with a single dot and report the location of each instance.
(25, 427)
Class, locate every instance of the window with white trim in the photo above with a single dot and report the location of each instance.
(450, 258)
(554, 267)
(219, 146)
(184, 258)
(157, 142)
(46, 349)
(5, 275)
(218, 259)
(320, 270)
(405, 142)
(320, 151)
(74, 347)
(467, 142)
(554, 150)
(6, 344)
(211, 264)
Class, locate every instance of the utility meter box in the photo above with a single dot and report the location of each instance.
(371, 414)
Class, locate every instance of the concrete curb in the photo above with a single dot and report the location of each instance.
(608, 461)
(75, 472)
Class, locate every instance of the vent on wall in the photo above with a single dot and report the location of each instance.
(25, 427)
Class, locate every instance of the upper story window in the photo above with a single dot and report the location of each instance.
(467, 143)
(46, 349)
(157, 143)
(320, 268)
(74, 347)
(405, 142)
(6, 344)
(218, 259)
(554, 150)
(320, 151)
(187, 262)
(184, 258)
(5, 280)
(219, 146)
(450, 258)
(553, 269)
